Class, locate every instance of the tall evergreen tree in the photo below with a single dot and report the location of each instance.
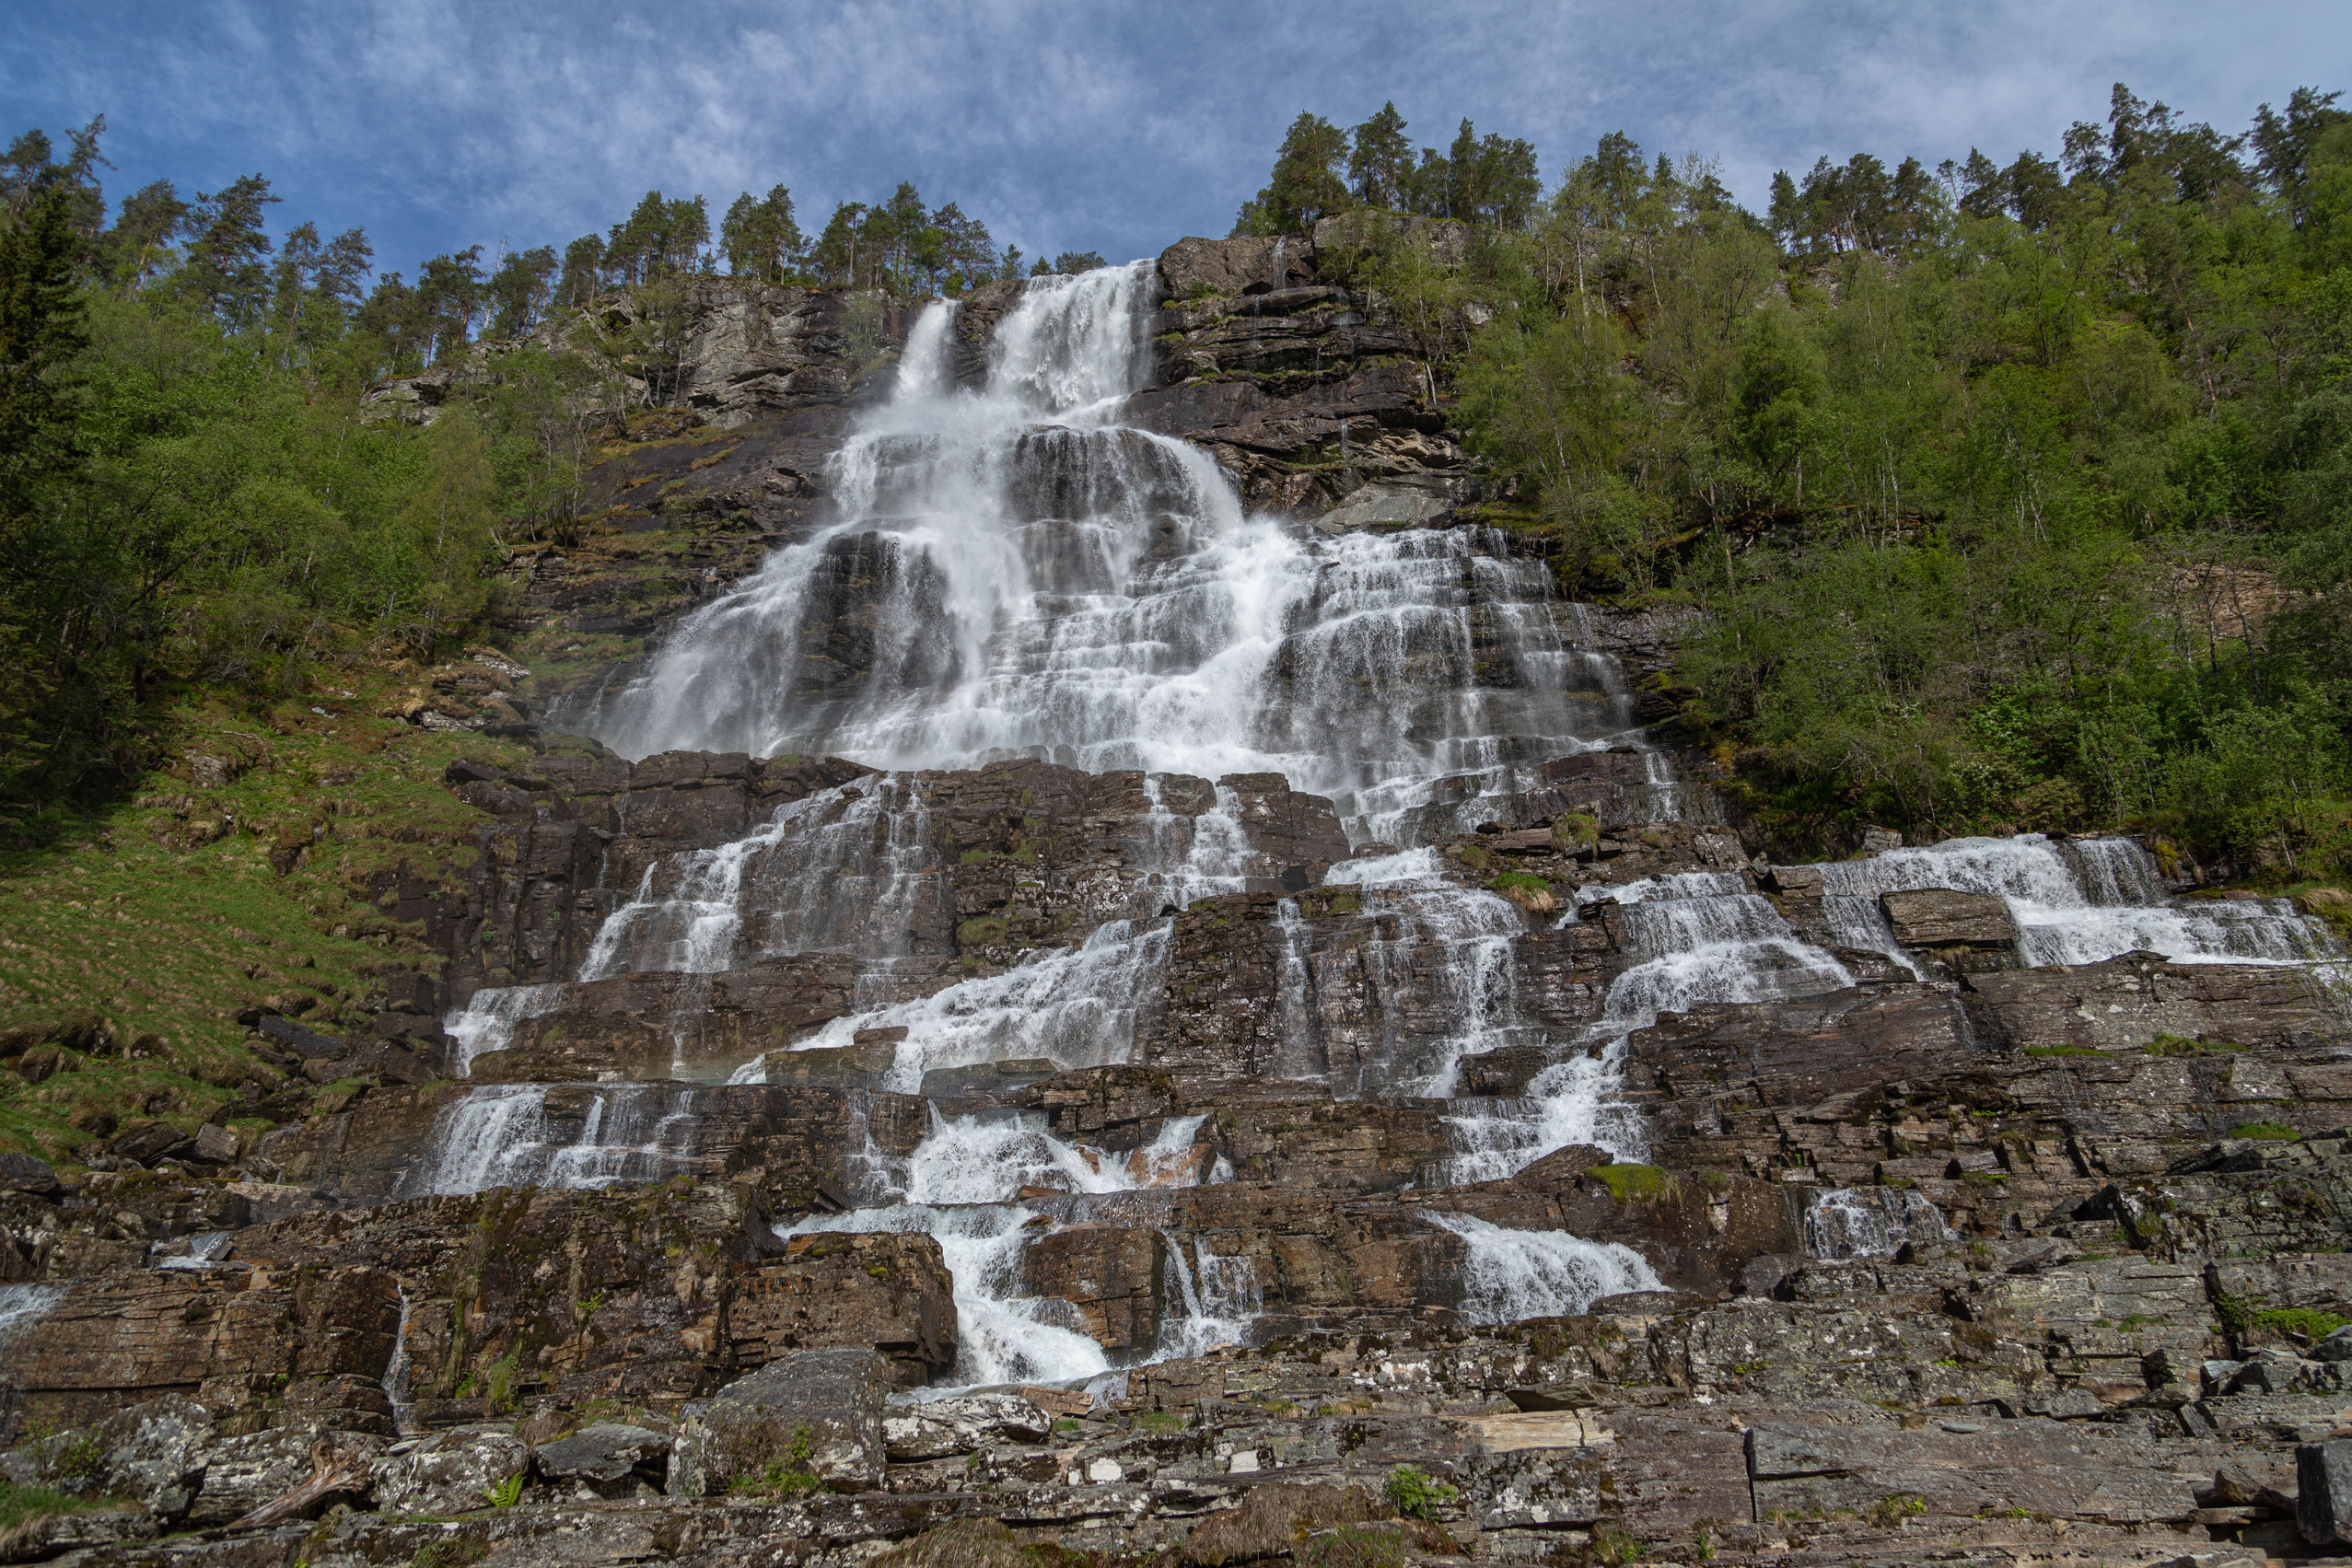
(1379, 160)
(1306, 186)
(521, 291)
(760, 238)
(226, 266)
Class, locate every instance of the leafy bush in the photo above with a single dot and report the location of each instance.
(1416, 1494)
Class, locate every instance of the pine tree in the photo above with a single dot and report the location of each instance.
(521, 291)
(138, 247)
(760, 238)
(225, 267)
(43, 725)
(1305, 186)
(583, 271)
(1379, 160)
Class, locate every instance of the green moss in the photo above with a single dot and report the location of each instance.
(1415, 1493)
(974, 856)
(1576, 829)
(1520, 881)
(981, 931)
(2271, 1130)
(1635, 1183)
(2307, 1321)
(2180, 1045)
(2063, 1050)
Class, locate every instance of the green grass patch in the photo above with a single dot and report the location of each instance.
(1576, 829)
(22, 1505)
(1635, 1183)
(2307, 1321)
(2182, 1045)
(2063, 1050)
(162, 917)
(2271, 1130)
(1415, 1493)
(981, 931)
(1519, 882)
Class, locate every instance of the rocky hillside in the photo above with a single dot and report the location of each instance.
(731, 1157)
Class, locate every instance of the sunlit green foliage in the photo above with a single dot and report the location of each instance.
(1993, 496)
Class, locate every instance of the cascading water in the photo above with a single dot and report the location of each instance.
(961, 1186)
(1075, 1008)
(1695, 937)
(1870, 1221)
(1019, 574)
(1509, 1274)
(1011, 573)
(505, 1137)
(2088, 899)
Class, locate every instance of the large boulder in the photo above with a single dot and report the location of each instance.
(939, 1429)
(811, 1419)
(243, 1473)
(156, 1453)
(1938, 917)
(1251, 264)
(2324, 1491)
(451, 1472)
(609, 1458)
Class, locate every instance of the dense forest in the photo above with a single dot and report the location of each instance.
(1989, 495)
(1979, 495)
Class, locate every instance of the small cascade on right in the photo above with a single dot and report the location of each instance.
(2082, 900)
(1843, 1223)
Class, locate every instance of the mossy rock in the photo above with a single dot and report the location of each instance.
(1630, 1183)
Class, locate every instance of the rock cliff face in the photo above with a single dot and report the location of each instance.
(1024, 1148)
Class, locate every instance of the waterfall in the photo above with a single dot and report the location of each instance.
(487, 1021)
(2089, 900)
(1870, 1221)
(1467, 938)
(22, 1306)
(991, 1156)
(1001, 1335)
(960, 1186)
(1508, 1275)
(1213, 1300)
(397, 1374)
(1076, 1008)
(1010, 572)
(502, 1136)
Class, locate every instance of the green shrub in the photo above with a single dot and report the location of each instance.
(791, 1476)
(2307, 1321)
(1416, 1494)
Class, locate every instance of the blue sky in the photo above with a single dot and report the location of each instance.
(1117, 127)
